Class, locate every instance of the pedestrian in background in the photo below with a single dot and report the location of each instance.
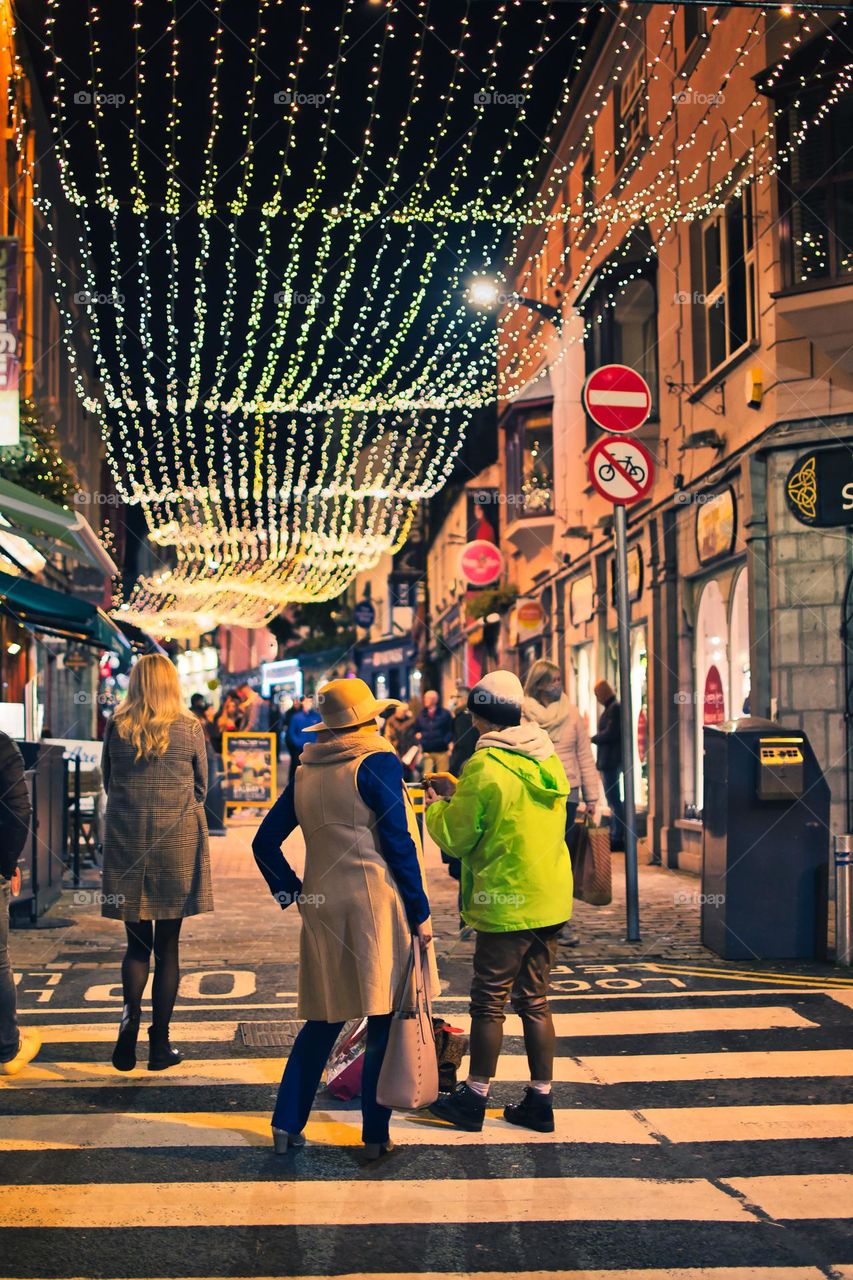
(608, 741)
(156, 858)
(548, 705)
(16, 1048)
(506, 822)
(226, 720)
(253, 712)
(434, 732)
(399, 728)
(362, 899)
(214, 807)
(301, 722)
(464, 734)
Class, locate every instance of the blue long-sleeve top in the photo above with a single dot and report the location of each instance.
(380, 785)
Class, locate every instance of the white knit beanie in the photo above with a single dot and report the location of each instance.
(497, 698)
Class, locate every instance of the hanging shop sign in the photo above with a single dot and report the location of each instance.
(635, 575)
(617, 398)
(581, 600)
(716, 525)
(249, 762)
(10, 413)
(530, 619)
(713, 699)
(819, 488)
(364, 615)
(480, 563)
(622, 471)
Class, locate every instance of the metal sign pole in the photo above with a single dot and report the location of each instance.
(623, 614)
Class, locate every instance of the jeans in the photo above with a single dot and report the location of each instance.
(517, 966)
(10, 1040)
(301, 1078)
(612, 779)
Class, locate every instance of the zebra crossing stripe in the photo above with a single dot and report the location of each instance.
(645, 1127)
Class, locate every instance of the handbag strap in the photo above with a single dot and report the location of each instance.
(422, 991)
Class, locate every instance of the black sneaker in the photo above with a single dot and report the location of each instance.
(463, 1107)
(535, 1111)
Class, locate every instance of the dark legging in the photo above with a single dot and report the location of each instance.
(514, 966)
(301, 1078)
(143, 938)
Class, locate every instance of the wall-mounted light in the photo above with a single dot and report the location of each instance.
(709, 439)
(13, 648)
(578, 531)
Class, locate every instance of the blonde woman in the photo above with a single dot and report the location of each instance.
(156, 858)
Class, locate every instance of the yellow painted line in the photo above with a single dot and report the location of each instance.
(756, 975)
(799, 1196)
(808, 1122)
(438, 1201)
(758, 1064)
(105, 1033)
(327, 1128)
(657, 1022)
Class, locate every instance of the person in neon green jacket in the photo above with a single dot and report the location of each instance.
(506, 824)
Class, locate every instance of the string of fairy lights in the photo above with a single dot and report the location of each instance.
(286, 361)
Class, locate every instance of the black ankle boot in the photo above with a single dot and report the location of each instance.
(124, 1054)
(535, 1111)
(463, 1107)
(160, 1053)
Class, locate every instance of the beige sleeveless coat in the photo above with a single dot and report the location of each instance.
(355, 940)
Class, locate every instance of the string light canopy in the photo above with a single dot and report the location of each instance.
(279, 208)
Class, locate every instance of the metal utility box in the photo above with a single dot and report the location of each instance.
(765, 851)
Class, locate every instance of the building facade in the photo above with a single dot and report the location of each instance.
(698, 231)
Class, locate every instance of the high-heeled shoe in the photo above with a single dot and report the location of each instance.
(161, 1055)
(124, 1053)
(375, 1150)
(284, 1141)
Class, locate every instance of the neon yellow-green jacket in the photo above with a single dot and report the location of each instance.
(507, 825)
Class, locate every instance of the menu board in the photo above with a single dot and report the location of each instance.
(249, 761)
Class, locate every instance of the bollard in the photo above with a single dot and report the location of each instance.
(844, 899)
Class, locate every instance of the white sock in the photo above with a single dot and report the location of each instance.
(542, 1087)
(480, 1087)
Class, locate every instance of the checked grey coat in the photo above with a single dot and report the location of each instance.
(156, 856)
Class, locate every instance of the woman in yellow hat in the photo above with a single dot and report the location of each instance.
(362, 898)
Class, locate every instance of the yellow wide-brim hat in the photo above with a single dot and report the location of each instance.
(344, 704)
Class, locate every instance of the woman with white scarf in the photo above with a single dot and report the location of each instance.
(546, 704)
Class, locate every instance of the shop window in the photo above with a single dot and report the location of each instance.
(816, 186)
(530, 463)
(583, 679)
(640, 714)
(711, 701)
(727, 293)
(739, 647)
(623, 332)
(631, 111)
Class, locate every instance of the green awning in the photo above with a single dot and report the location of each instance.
(44, 524)
(43, 609)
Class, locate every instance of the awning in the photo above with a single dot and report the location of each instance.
(44, 524)
(140, 641)
(43, 609)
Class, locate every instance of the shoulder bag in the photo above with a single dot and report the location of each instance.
(408, 1078)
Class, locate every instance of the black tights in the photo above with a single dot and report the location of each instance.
(143, 938)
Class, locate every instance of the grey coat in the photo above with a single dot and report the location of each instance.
(156, 856)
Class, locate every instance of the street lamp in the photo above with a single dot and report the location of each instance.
(484, 293)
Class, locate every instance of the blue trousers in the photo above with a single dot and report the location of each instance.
(612, 779)
(301, 1078)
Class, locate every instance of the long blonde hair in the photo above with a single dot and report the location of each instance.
(541, 673)
(152, 706)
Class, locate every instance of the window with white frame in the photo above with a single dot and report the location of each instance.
(728, 274)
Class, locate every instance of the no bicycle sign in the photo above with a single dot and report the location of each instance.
(621, 470)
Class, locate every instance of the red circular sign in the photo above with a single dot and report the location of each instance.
(480, 563)
(622, 471)
(617, 398)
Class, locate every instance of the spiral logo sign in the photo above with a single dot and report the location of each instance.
(481, 563)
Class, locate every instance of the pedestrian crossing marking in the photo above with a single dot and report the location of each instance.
(105, 1032)
(343, 1202)
(590, 1069)
(757, 975)
(644, 1127)
(827, 1195)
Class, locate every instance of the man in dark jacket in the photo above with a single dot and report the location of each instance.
(608, 740)
(16, 1050)
(434, 732)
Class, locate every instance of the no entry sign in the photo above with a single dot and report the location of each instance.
(622, 471)
(617, 398)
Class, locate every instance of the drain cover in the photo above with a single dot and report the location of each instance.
(269, 1035)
